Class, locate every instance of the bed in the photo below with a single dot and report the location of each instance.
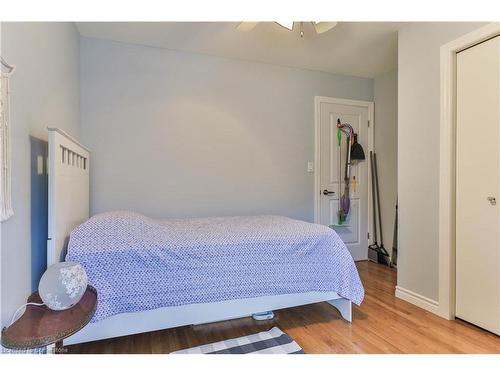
(154, 274)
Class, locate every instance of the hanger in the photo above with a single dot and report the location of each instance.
(5, 64)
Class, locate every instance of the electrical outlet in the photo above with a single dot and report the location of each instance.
(310, 166)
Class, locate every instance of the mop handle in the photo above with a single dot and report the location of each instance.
(378, 199)
(349, 133)
(373, 199)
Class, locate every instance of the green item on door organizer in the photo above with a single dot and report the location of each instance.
(342, 217)
(339, 136)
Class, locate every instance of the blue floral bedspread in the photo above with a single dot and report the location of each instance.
(137, 263)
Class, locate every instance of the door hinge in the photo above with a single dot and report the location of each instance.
(368, 235)
(368, 123)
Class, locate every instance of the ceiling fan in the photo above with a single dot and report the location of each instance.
(320, 27)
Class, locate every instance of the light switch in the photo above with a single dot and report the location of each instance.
(310, 166)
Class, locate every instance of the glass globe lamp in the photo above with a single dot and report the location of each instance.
(63, 285)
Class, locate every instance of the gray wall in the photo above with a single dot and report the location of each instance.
(418, 151)
(45, 92)
(176, 134)
(385, 92)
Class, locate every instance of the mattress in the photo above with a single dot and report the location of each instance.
(137, 263)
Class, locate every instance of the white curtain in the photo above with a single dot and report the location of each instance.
(5, 177)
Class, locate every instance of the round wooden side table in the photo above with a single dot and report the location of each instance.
(40, 326)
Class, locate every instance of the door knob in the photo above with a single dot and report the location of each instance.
(492, 200)
(327, 192)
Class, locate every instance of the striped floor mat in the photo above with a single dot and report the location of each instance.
(273, 341)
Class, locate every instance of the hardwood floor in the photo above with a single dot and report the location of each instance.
(382, 324)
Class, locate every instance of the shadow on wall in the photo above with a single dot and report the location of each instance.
(39, 209)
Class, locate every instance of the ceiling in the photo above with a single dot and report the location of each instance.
(364, 49)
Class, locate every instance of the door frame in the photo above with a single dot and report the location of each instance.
(447, 165)
(318, 100)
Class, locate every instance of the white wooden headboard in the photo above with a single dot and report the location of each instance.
(69, 164)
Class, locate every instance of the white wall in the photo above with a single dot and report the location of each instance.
(418, 151)
(177, 134)
(45, 92)
(385, 93)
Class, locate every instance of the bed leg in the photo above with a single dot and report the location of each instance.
(344, 306)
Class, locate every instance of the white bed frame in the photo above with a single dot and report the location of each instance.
(69, 165)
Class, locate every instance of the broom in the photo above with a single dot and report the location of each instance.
(383, 254)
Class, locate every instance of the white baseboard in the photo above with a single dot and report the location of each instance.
(418, 300)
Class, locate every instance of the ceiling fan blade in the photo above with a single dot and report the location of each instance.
(287, 24)
(246, 26)
(323, 27)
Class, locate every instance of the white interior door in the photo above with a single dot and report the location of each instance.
(477, 185)
(330, 183)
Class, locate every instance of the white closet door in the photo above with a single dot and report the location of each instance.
(477, 185)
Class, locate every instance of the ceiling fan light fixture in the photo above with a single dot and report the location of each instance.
(323, 27)
(287, 24)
